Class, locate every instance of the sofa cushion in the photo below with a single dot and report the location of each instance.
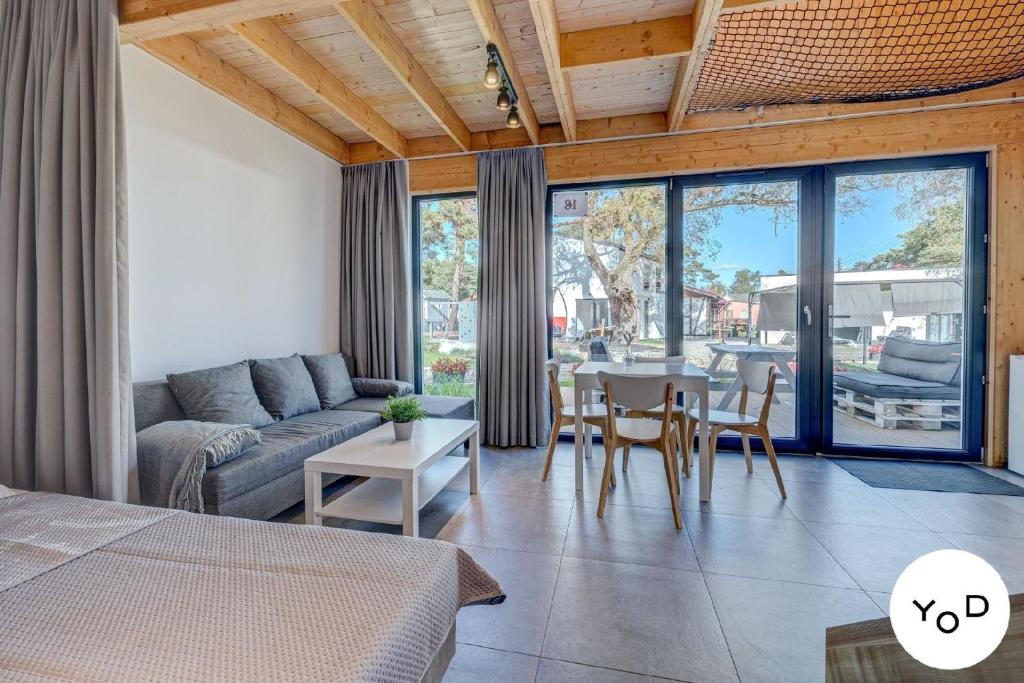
(284, 386)
(919, 359)
(437, 406)
(369, 387)
(331, 379)
(285, 445)
(154, 403)
(223, 394)
(883, 385)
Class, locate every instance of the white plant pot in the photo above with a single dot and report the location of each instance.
(403, 430)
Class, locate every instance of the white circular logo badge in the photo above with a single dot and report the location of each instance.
(949, 609)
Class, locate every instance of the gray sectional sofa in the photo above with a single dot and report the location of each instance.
(267, 478)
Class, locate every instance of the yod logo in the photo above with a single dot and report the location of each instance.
(949, 609)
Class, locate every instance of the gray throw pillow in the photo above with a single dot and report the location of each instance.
(223, 394)
(331, 379)
(284, 386)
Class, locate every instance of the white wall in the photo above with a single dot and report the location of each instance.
(233, 229)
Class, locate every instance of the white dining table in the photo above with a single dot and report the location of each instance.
(586, 382)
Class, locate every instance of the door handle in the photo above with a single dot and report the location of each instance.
(807, 315)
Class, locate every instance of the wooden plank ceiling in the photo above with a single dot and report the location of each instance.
(363, 80)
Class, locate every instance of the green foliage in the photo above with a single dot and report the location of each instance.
(455, 389)
(403, 409)
(449, 240)
(744, 282)
(935, 242)
(567, 357)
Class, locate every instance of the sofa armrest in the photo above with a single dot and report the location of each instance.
(368, 387)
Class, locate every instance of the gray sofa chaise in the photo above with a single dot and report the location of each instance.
(916, 379)
(267, 478)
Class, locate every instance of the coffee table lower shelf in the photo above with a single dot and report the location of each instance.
(380, 500)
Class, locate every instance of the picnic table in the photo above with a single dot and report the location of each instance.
(780, 356)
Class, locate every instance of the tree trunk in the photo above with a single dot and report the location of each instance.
(624, 308)
(453, 312)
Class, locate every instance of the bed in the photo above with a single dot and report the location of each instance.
(98, 591)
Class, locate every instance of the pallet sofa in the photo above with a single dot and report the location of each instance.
(917, 384)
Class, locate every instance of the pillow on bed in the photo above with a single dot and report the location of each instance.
(223, 394)
(284, 386)
(4, 491)
(331, 379)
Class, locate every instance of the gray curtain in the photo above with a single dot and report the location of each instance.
(66, 420)
(376, 270)
(513, 400)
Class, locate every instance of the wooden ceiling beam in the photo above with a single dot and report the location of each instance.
(267, 38)
(658, 38)
(190, 58)
(648, 125)
(143, 20)
(705, 22)
(545, 19)
(378, 34)
(490, 27)
(729, 6)
(505, 138)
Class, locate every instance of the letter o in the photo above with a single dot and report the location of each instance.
(938, 622)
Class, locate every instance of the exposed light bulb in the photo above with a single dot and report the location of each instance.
(504, 101)
(491, 78)
(513, 120)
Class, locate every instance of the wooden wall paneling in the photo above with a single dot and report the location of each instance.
(1006, 291)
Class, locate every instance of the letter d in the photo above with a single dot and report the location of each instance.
(984, 610)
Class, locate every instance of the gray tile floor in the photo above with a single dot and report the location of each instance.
(743, 592)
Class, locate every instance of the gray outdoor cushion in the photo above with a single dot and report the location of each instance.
(223, 394)
(285, 445)
(437, 406)
(923, 360)
(284, 386)
(331, 379)
(380, 388)
(884, 385)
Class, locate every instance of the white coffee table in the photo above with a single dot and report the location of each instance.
(404, 475)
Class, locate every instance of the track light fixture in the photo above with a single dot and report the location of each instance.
(513, 120)
(492, 79)
(496, 78)
(504, 101)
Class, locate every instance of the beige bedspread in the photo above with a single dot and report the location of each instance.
(100, 591)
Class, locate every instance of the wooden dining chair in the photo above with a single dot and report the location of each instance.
(758, 378)
(678, 415)
(594, 414)
(641, 394)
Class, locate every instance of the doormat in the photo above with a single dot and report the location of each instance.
(927, 476)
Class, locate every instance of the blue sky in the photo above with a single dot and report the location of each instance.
(748, 238)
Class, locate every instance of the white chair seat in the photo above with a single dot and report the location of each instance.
(638, 428)
(723, 417)
(660, 410)
(589, 410)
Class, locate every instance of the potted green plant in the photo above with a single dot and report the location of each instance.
(402, 412)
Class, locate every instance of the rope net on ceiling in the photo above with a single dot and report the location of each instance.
(860, 51)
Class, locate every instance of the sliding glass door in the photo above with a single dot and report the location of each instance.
(905, 307)
(446, 260)
(863, 284)
(742, 293)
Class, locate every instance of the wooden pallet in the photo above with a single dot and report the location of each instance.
(889, 413)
